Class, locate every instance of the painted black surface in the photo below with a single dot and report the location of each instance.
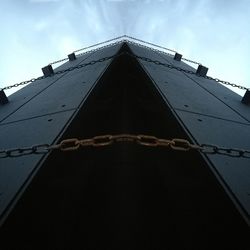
(125, 196)
(72, 57)
(211, 114)
(48, 70)
(177, 57)
(3, 98)
(246, 98)
(38, 114)
(201, 70)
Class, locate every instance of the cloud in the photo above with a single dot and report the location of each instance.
(41, 25)
(68, 45)
(212, 32)
(43, 1)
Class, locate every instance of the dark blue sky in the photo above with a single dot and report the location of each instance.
(36, 32)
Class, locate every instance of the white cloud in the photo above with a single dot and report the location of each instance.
(43, 1)
(67, 45)
(212, 32)
(41, 25)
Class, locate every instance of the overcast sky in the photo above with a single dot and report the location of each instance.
(37, 32)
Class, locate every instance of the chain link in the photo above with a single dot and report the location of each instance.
(167, 65)
(74, 144)
(159, 51)
(227, 83)
(146, 59)
(233, 152)
(90, 51)
(129, 41)
(170, 66)
(79, 66)
(23, 83)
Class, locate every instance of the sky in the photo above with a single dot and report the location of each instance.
(37, 32)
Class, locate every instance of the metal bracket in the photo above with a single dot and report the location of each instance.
(48, 70)
(246, 98)
(72, 57)
(201, 71)
(3, 98)
(177, 56)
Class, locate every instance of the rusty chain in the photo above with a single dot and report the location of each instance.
(73, 144)
(146, 59)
